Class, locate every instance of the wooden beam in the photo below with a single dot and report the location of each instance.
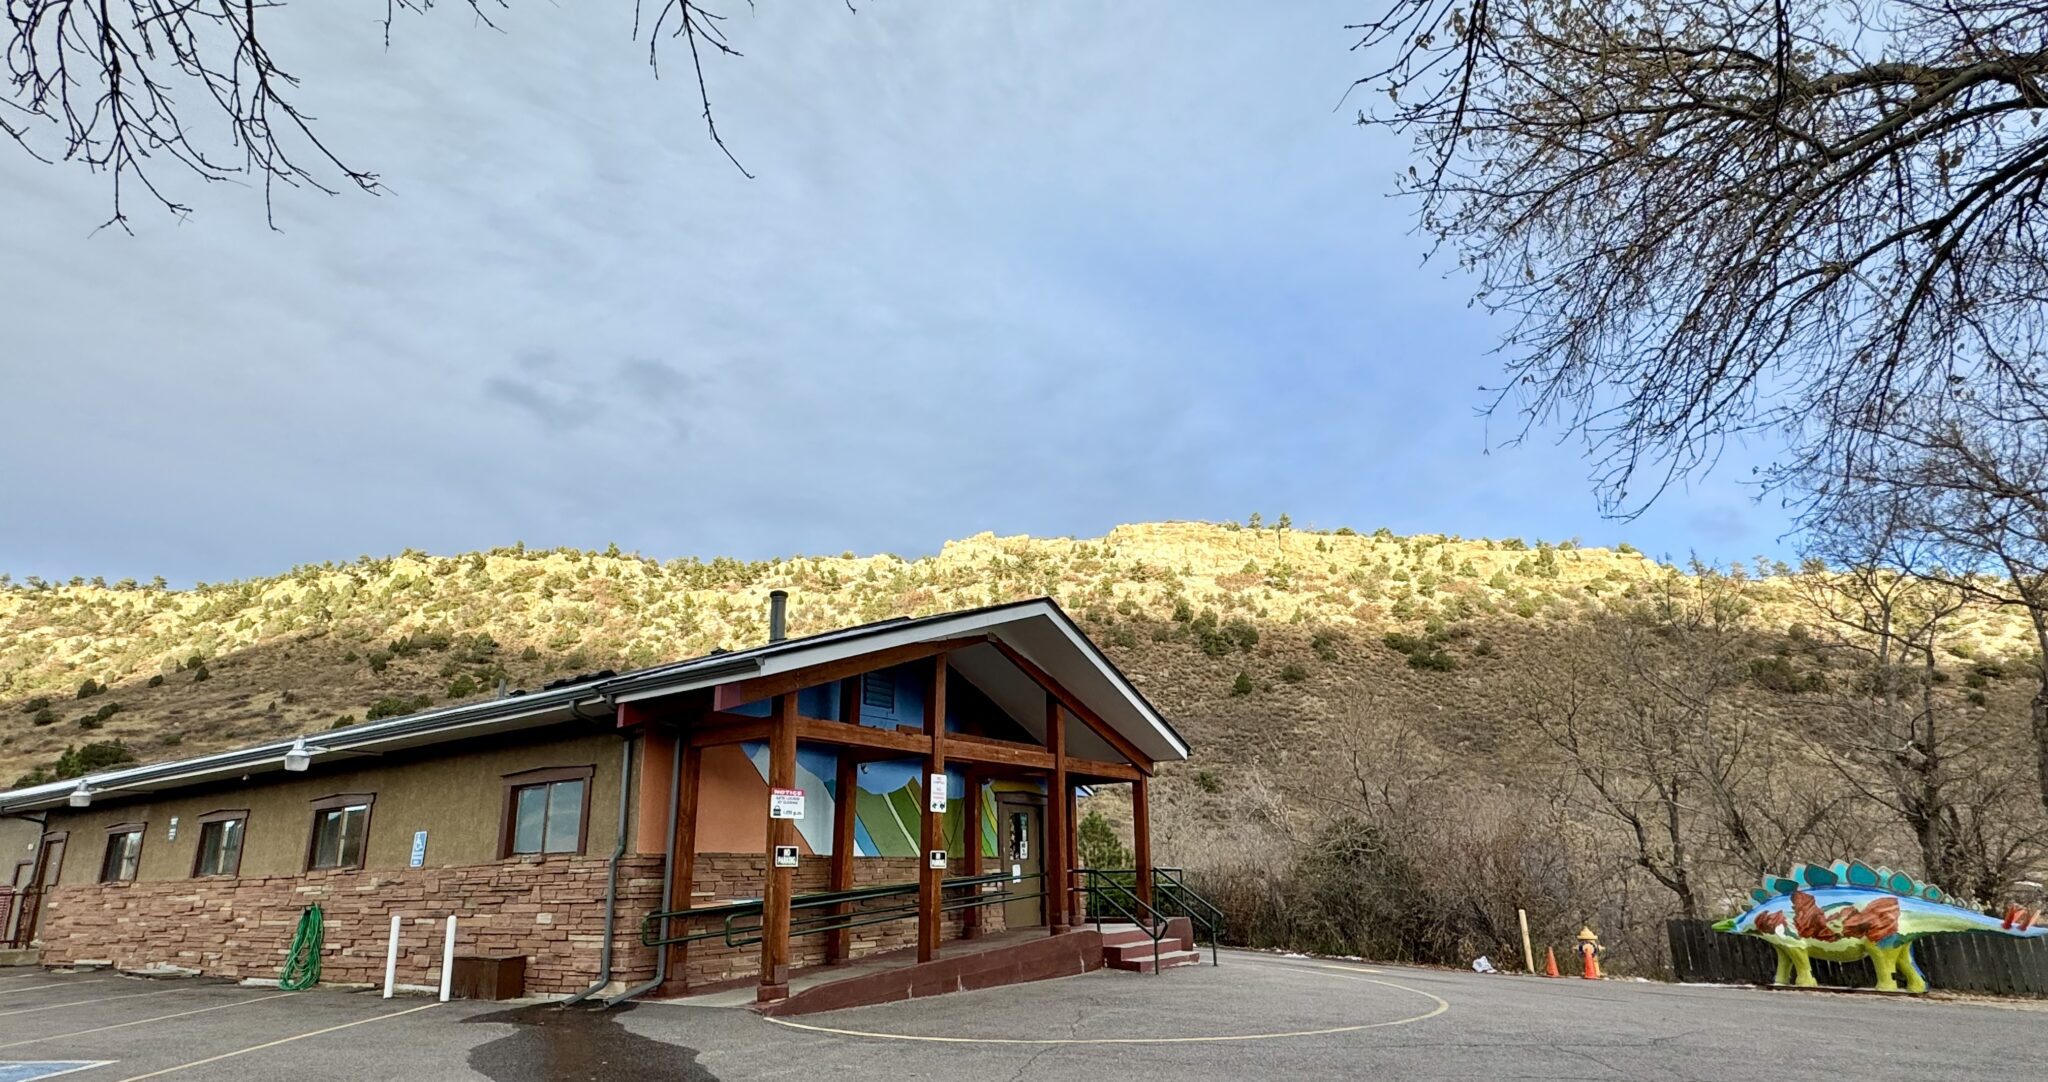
(931, 880)
(993, 752)
(1095, 770)
(780, 882)
(783, 683)
(1141, 838)
(719, 727)
(1090, 718)
(845, 796)
(1056, 816)
(820, 731)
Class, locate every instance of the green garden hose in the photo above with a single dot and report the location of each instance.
(302, 964)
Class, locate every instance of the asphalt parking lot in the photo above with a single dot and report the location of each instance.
(1255, 1016)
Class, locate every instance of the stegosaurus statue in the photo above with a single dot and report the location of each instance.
(1852, 910)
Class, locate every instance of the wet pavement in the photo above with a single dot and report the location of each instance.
(1256, 1016)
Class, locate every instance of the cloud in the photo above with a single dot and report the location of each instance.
(1039, 269)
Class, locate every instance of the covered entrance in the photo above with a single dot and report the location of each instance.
(912, 790)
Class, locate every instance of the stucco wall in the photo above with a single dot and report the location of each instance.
(455, 792)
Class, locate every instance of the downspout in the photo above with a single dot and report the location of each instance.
(611, 882)
(668, 879)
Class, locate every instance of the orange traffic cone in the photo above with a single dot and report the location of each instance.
(1592, 972)
(1550, 963)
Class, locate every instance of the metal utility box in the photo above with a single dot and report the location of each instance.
(489, 976)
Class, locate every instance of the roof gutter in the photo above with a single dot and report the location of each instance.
(53, 793)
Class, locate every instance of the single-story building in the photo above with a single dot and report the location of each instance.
(804, 802)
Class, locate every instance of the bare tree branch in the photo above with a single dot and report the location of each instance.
(133, 89)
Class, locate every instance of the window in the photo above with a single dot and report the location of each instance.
(341, 831)
(546, 811)
(124, 853)
(220, 843)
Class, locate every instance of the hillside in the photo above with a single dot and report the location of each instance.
(1295, 661)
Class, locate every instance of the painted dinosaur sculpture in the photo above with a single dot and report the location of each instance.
(1851, 911)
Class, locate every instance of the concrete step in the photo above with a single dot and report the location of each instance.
(20, 956)
(1167, 960)
(1141, 950)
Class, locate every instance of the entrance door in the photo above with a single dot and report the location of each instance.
(1022, 851)
(49, 863)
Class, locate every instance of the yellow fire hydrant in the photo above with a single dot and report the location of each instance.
(1589, 954)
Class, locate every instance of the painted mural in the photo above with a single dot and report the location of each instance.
(1851, 911)
(889, 796)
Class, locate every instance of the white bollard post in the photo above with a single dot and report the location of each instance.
(391, 958)
(448, 960)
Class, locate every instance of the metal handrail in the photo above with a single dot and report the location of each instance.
(739, 935)
(1173, 882)
(1093, 886)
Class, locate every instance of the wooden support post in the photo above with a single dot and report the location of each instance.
(1141, 838)
(931, 880)
(1056, 794)
(845, 797)
(970, 836)
(684, 880)
(779, 882)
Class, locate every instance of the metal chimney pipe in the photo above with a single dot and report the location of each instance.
(778, 615)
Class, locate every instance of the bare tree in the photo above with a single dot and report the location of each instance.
(131, 88)
(1708, 216)
(1966, 476)
(1892, 737)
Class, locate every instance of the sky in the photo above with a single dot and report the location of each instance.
(1033, 269)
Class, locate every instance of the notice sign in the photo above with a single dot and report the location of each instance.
(419, 849)
(785, 856)
(785, 803)
(937, 858)
(938, 793)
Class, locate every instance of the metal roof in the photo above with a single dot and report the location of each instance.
(1037, 627)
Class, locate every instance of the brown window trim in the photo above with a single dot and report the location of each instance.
(543, 776)
(59, 837)
(329, 803)
(141, 830)
(226, 815)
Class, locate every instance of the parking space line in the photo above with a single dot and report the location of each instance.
(59, 984)
(143, 1021)
(83, 1002)
(275, 1043)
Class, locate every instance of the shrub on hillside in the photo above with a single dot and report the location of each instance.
(157, 681)
(1779, 674)
(201, 673)
(1293, 673)
(45, 716)
(40, 702)
(393, 706)
(1243, 684)
(90, 688)
(1434, 659)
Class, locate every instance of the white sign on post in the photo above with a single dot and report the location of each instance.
(419, 849)
(938, 793)
(785, 804)
(785, 856)
(937, 859)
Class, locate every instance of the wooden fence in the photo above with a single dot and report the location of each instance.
(1959, 962)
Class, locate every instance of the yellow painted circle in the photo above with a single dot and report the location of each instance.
(1344, 972)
